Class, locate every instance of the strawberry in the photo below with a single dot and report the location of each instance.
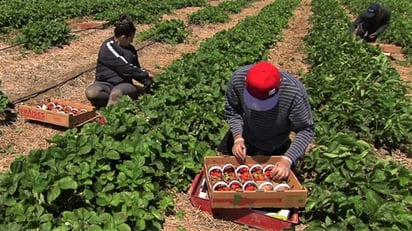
(215, 175)
(51, 106)
(268, 173)
(245, 176)
(257, 173)
(228, 177)
(229, 174)
(250, 188)
(101, 120)
(222, 188)
(235, 186)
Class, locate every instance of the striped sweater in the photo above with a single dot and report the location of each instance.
(269, 130)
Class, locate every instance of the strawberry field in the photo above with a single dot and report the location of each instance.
(124, 174)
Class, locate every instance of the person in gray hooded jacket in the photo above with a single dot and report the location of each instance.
(117, 66)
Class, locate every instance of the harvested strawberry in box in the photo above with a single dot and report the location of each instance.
(257, 173)
(267, 171)
(250, 186)
(266, 186)
(229, 173)
(215, 174)
(221, 186)
(235, 185)
(243, 173)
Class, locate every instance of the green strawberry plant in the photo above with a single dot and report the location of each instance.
(171, 31)
(42, 24)
(353, 189)
(219, 13)
(4, 101)
(39, 36)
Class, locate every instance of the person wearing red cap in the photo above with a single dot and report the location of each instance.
(371, 23)
(263, 106)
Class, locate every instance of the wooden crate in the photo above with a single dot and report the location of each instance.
(252, 217)
(294, 198)
(32, 112)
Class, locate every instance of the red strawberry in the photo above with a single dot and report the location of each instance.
(235, 187)
(102, 120)
(268, 172)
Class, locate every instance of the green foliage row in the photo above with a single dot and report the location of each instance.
(4, 101)
(171, 31)
(41, 24)
(41, 35)
(219, 13)
(353, 189)
(361, 93)
(118, 176)
(399, 30)
(102, 177)
(350, 87)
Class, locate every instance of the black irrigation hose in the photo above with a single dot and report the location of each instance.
(24, 98)
(15, 45)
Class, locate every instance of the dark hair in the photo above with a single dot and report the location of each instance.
(124, 26)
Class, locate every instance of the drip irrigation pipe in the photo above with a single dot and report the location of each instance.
(26, 97)
(15, 45)
(102, 27)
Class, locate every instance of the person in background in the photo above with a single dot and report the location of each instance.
(117, 67)
(263, 106)
(371, 23)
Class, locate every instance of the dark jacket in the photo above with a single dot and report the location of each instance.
(116, 64)
(377, 24)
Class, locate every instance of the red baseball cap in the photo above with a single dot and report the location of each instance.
(262, 86)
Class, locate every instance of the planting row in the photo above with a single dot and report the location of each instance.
(39, 31)
(43, 24)
(218, 14)
(360, 89)
(354, 91)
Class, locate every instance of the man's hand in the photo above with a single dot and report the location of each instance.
(147, 83)
(151, 75)
(282, 169)
(239, 149)
(373, 35)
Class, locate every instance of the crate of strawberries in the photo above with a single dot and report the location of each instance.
(59, 112)
(249, 185)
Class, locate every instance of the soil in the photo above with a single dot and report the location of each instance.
(66, 72)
